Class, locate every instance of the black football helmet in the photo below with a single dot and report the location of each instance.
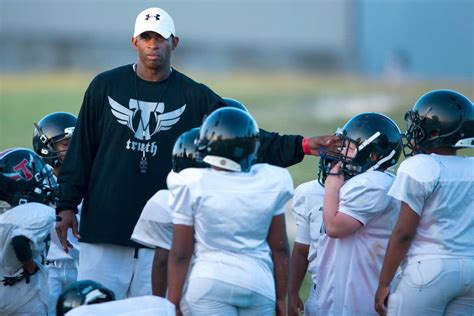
(229, 139)
(235, 104)
(48, 131)
(378, 141)
(84, 292)
(24, 178)
(185, 154)
(440, 118)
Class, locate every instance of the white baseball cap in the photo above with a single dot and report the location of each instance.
(156, 20)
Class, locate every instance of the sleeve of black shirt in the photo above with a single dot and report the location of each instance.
(280, 150)
(275, 149)
(75, 170)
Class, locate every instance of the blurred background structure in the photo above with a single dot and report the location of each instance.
(419, 38)
(301, 66)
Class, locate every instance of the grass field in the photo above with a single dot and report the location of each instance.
(287, 103)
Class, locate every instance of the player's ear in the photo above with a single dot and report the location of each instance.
(174, 42)
(134, 42)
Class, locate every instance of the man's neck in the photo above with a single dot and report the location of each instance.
(154, 75)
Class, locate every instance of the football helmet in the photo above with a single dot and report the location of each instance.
(24, 178)
(229, 102)
(377, 141)
(184, 153)
(84, 292)
(229, 139)
(440, 118)
(48, 131)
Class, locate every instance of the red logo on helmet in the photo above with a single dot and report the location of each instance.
(26, 173)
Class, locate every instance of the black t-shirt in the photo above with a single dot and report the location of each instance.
(121, 117)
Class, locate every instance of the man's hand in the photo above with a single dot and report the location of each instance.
(314, 144)
(381, 299)
(68, 220)
(295, 305)
(335, 179)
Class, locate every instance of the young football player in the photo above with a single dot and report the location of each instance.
(155, 228)
(28, 186)
(433, 240)
(358, 215)
(231, 217)
(307, 208)
(51, 138)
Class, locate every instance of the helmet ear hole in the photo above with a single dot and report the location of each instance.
(373, 156)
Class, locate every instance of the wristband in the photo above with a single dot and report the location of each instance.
(305, 145)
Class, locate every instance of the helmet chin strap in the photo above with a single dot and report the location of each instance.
(383, 160)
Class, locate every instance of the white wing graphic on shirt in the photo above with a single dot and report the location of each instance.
(124, 115)
(166, 120)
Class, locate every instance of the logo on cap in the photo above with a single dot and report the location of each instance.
(148, 16)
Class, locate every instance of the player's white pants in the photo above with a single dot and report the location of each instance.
(435, 287)
(34, 307)
(310, 305)
(61, 273)
(123, 270)
(205, 297)
(35, 302)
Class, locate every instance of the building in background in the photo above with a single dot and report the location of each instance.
(390, 38)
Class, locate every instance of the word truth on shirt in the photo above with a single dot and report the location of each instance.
(148, 147)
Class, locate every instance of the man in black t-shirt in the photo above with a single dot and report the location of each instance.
(120, 153)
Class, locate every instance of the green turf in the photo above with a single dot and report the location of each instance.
(288, 103)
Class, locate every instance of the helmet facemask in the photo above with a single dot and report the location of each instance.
(329, 158)
(355, 158)
(414, 133)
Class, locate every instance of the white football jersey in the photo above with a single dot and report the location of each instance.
(348, 268)
(34, 221)
(231, 213)
(154, 227)
(440, 189)
(308, 211)
(136, 306)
